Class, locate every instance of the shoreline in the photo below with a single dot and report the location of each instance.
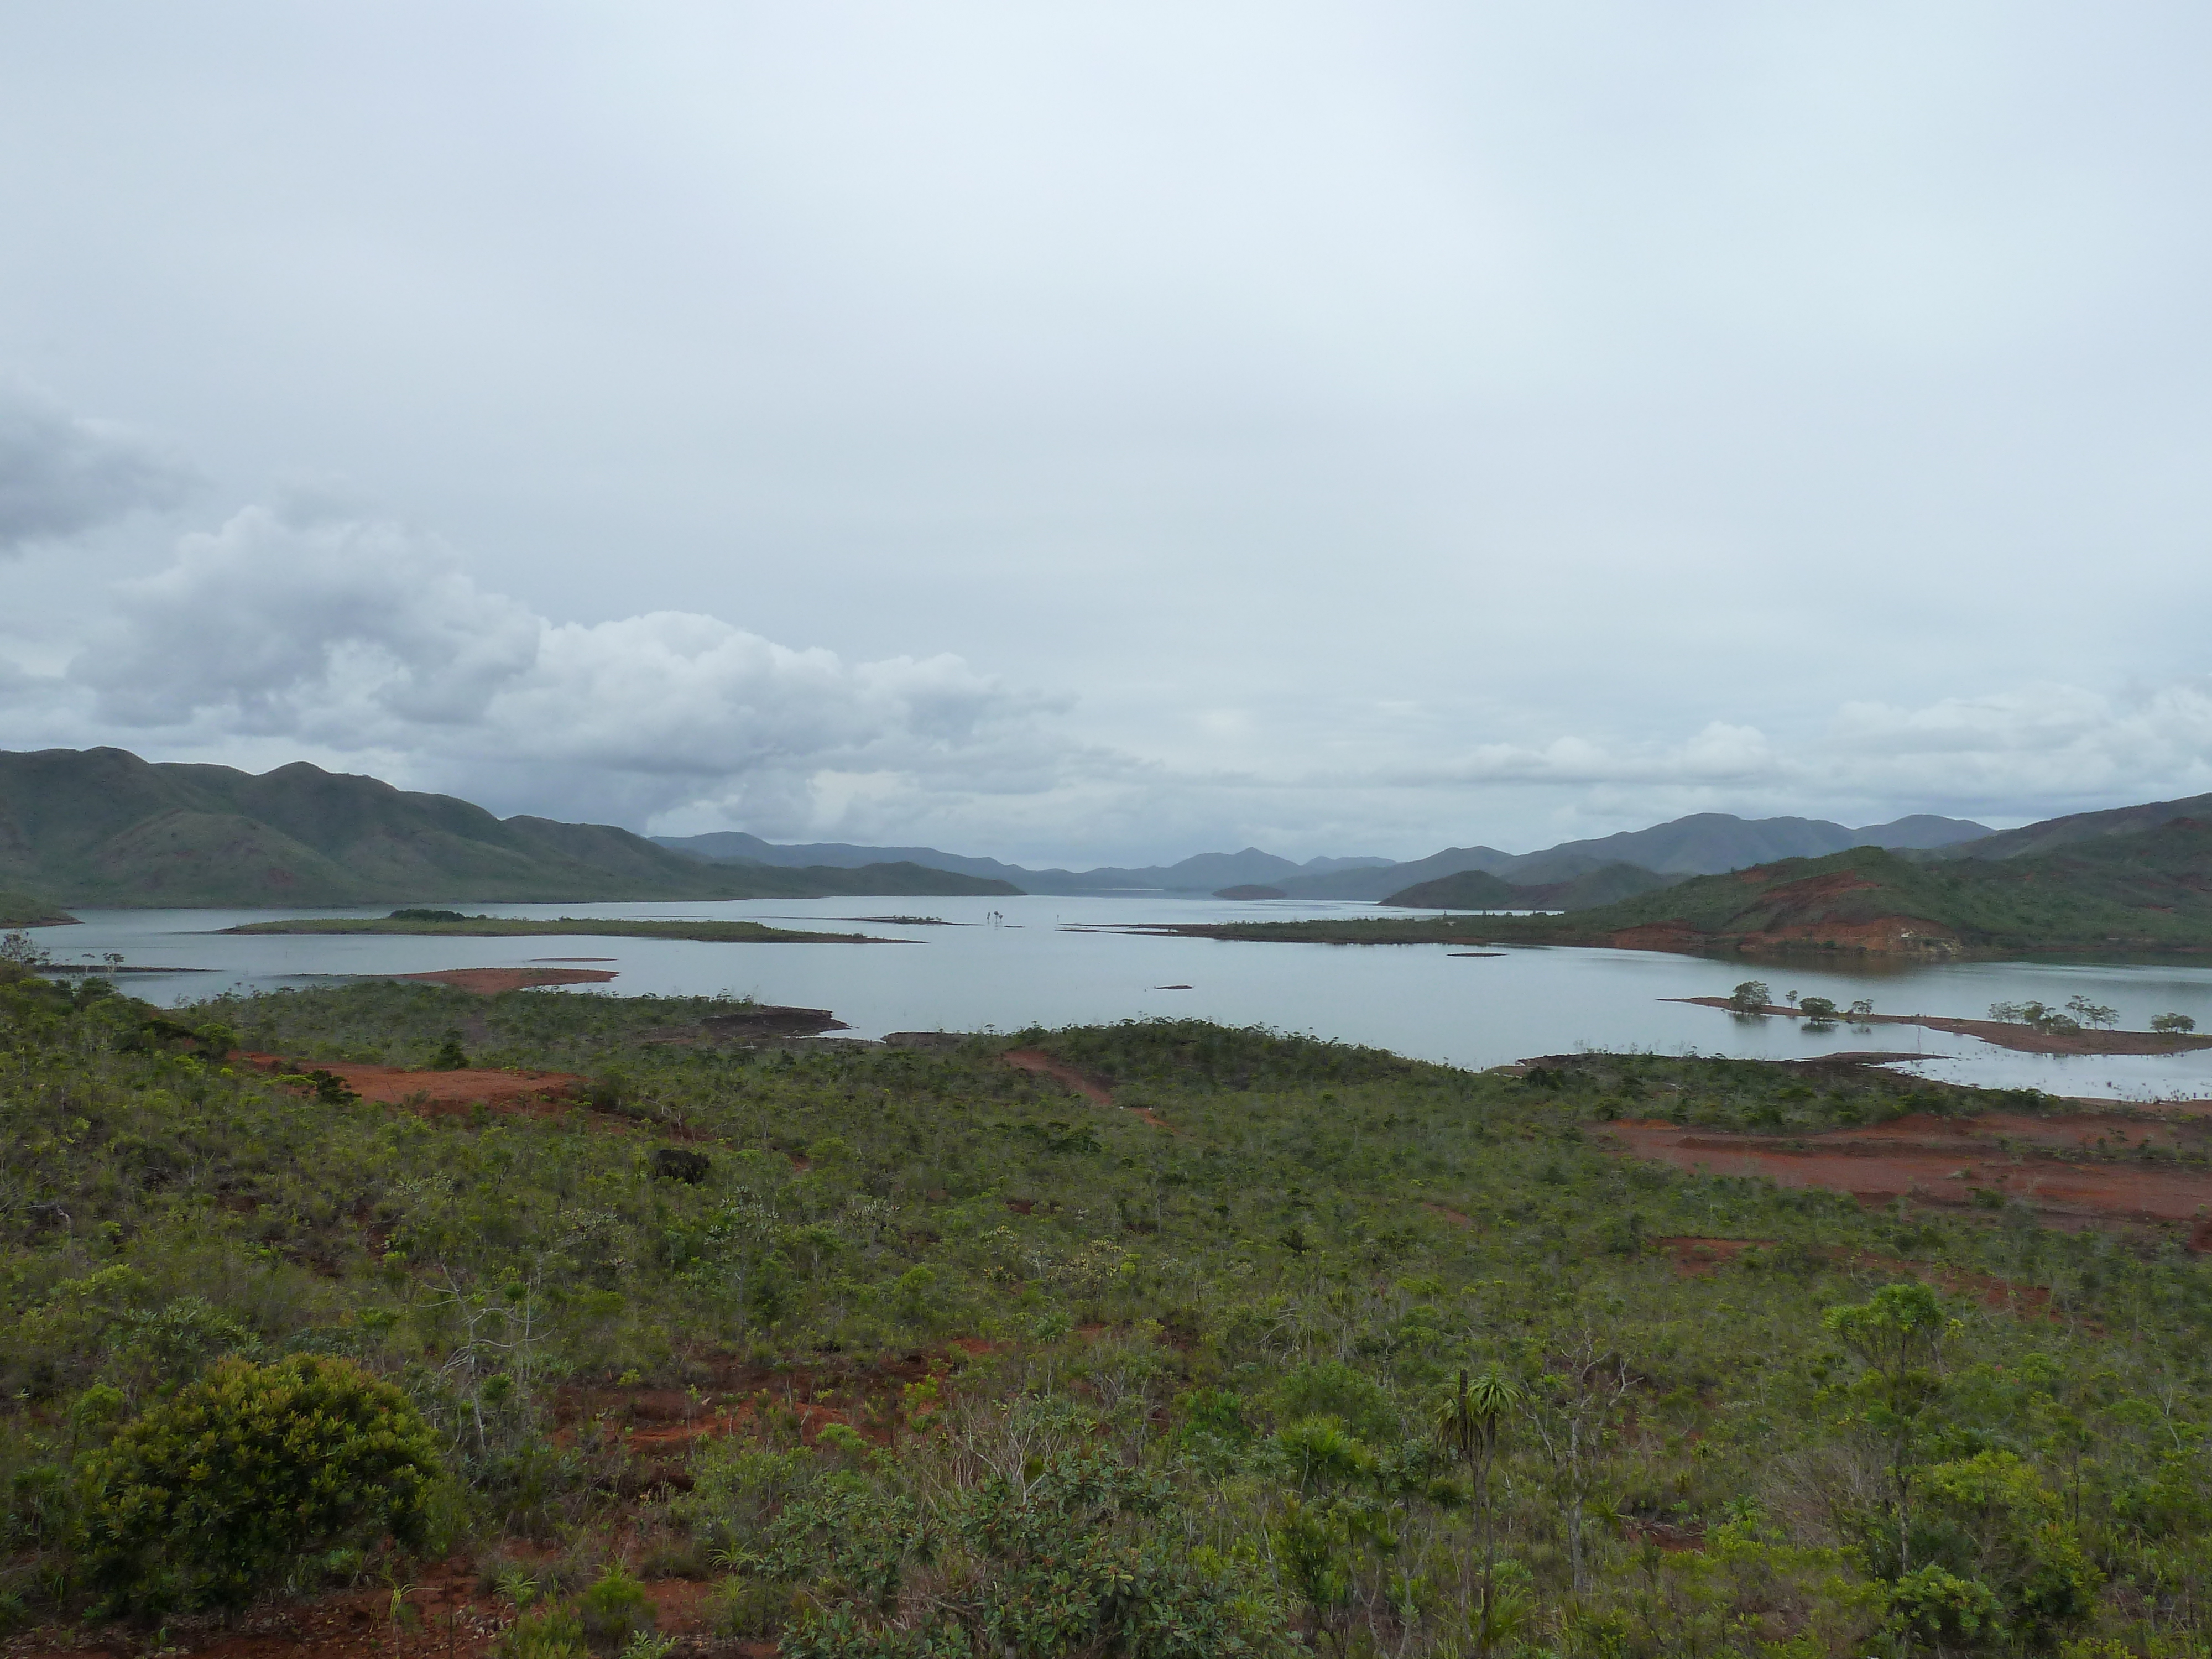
(2002, 1034)
(708, 932)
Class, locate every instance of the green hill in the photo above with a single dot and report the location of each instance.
(2052, 834)
(1479, 889)
(101, 826)
(21, 910)
(2150, 889)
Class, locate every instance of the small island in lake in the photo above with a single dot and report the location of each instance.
(452, 924)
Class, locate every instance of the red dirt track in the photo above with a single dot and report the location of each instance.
(1034, 1059)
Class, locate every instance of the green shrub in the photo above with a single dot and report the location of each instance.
(548, 1633)
(204, 1498)
(614, 1610)
(743, 1609)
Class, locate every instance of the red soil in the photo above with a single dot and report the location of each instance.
(491, 982)
(1034, 1059)
(1456, 1218)
(436, 1093)
(2068, 1169)
(1693, 1256)
(448, 1618)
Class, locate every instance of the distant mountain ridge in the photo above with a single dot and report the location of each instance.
(104, 826)
(1705, 843)
(2050, 834)
(1201, 872)
(101, 826)
(2100, 892)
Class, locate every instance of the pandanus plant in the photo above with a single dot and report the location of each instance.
(1470, 1418)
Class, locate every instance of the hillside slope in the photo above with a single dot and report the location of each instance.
(1705, 843)
(1478, 890)
(21, 910)
(2150, 890)
(1131, 1339)
(2052, 834)
(102, 826)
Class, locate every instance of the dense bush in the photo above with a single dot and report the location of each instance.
(206, 1498)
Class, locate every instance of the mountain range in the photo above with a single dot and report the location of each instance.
(2129, 880)
(101, 826)
(1203, 872)
(1705, 843)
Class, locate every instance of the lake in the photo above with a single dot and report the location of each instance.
(1010, 963)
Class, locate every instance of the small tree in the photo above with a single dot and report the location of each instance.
(1818, 1010)
(2035, 1015)
(2174, 1024)
(1575, 1414)
(1898, 1332)
(2095, 1015)
(1751, 997)
(206, 1498)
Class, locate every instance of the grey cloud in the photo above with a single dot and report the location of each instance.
(355, 636)
(62, 475)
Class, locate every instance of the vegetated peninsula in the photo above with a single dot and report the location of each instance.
(2144, 889)
(21, 910)
(538, 1326)
(1479, 889)
(453, 925)
(101, 826)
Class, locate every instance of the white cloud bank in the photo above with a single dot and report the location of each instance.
(62, 475)
(308, 630)
(346, 636)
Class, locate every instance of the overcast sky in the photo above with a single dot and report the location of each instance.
(1079, 432)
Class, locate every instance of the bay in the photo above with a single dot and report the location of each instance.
(1007, 964)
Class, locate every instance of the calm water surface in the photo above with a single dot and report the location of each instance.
(1015, 961)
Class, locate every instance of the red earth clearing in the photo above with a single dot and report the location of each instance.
(1034, 1059)
(1697, 1256)
(2074, 1171)
(436, 1093)
(491, 982)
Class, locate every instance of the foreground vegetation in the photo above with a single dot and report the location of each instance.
(1322, 1349)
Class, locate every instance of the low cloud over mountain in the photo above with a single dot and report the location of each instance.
(352, 635)
(314, 629)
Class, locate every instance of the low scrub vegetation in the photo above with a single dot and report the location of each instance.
(915, 1352)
